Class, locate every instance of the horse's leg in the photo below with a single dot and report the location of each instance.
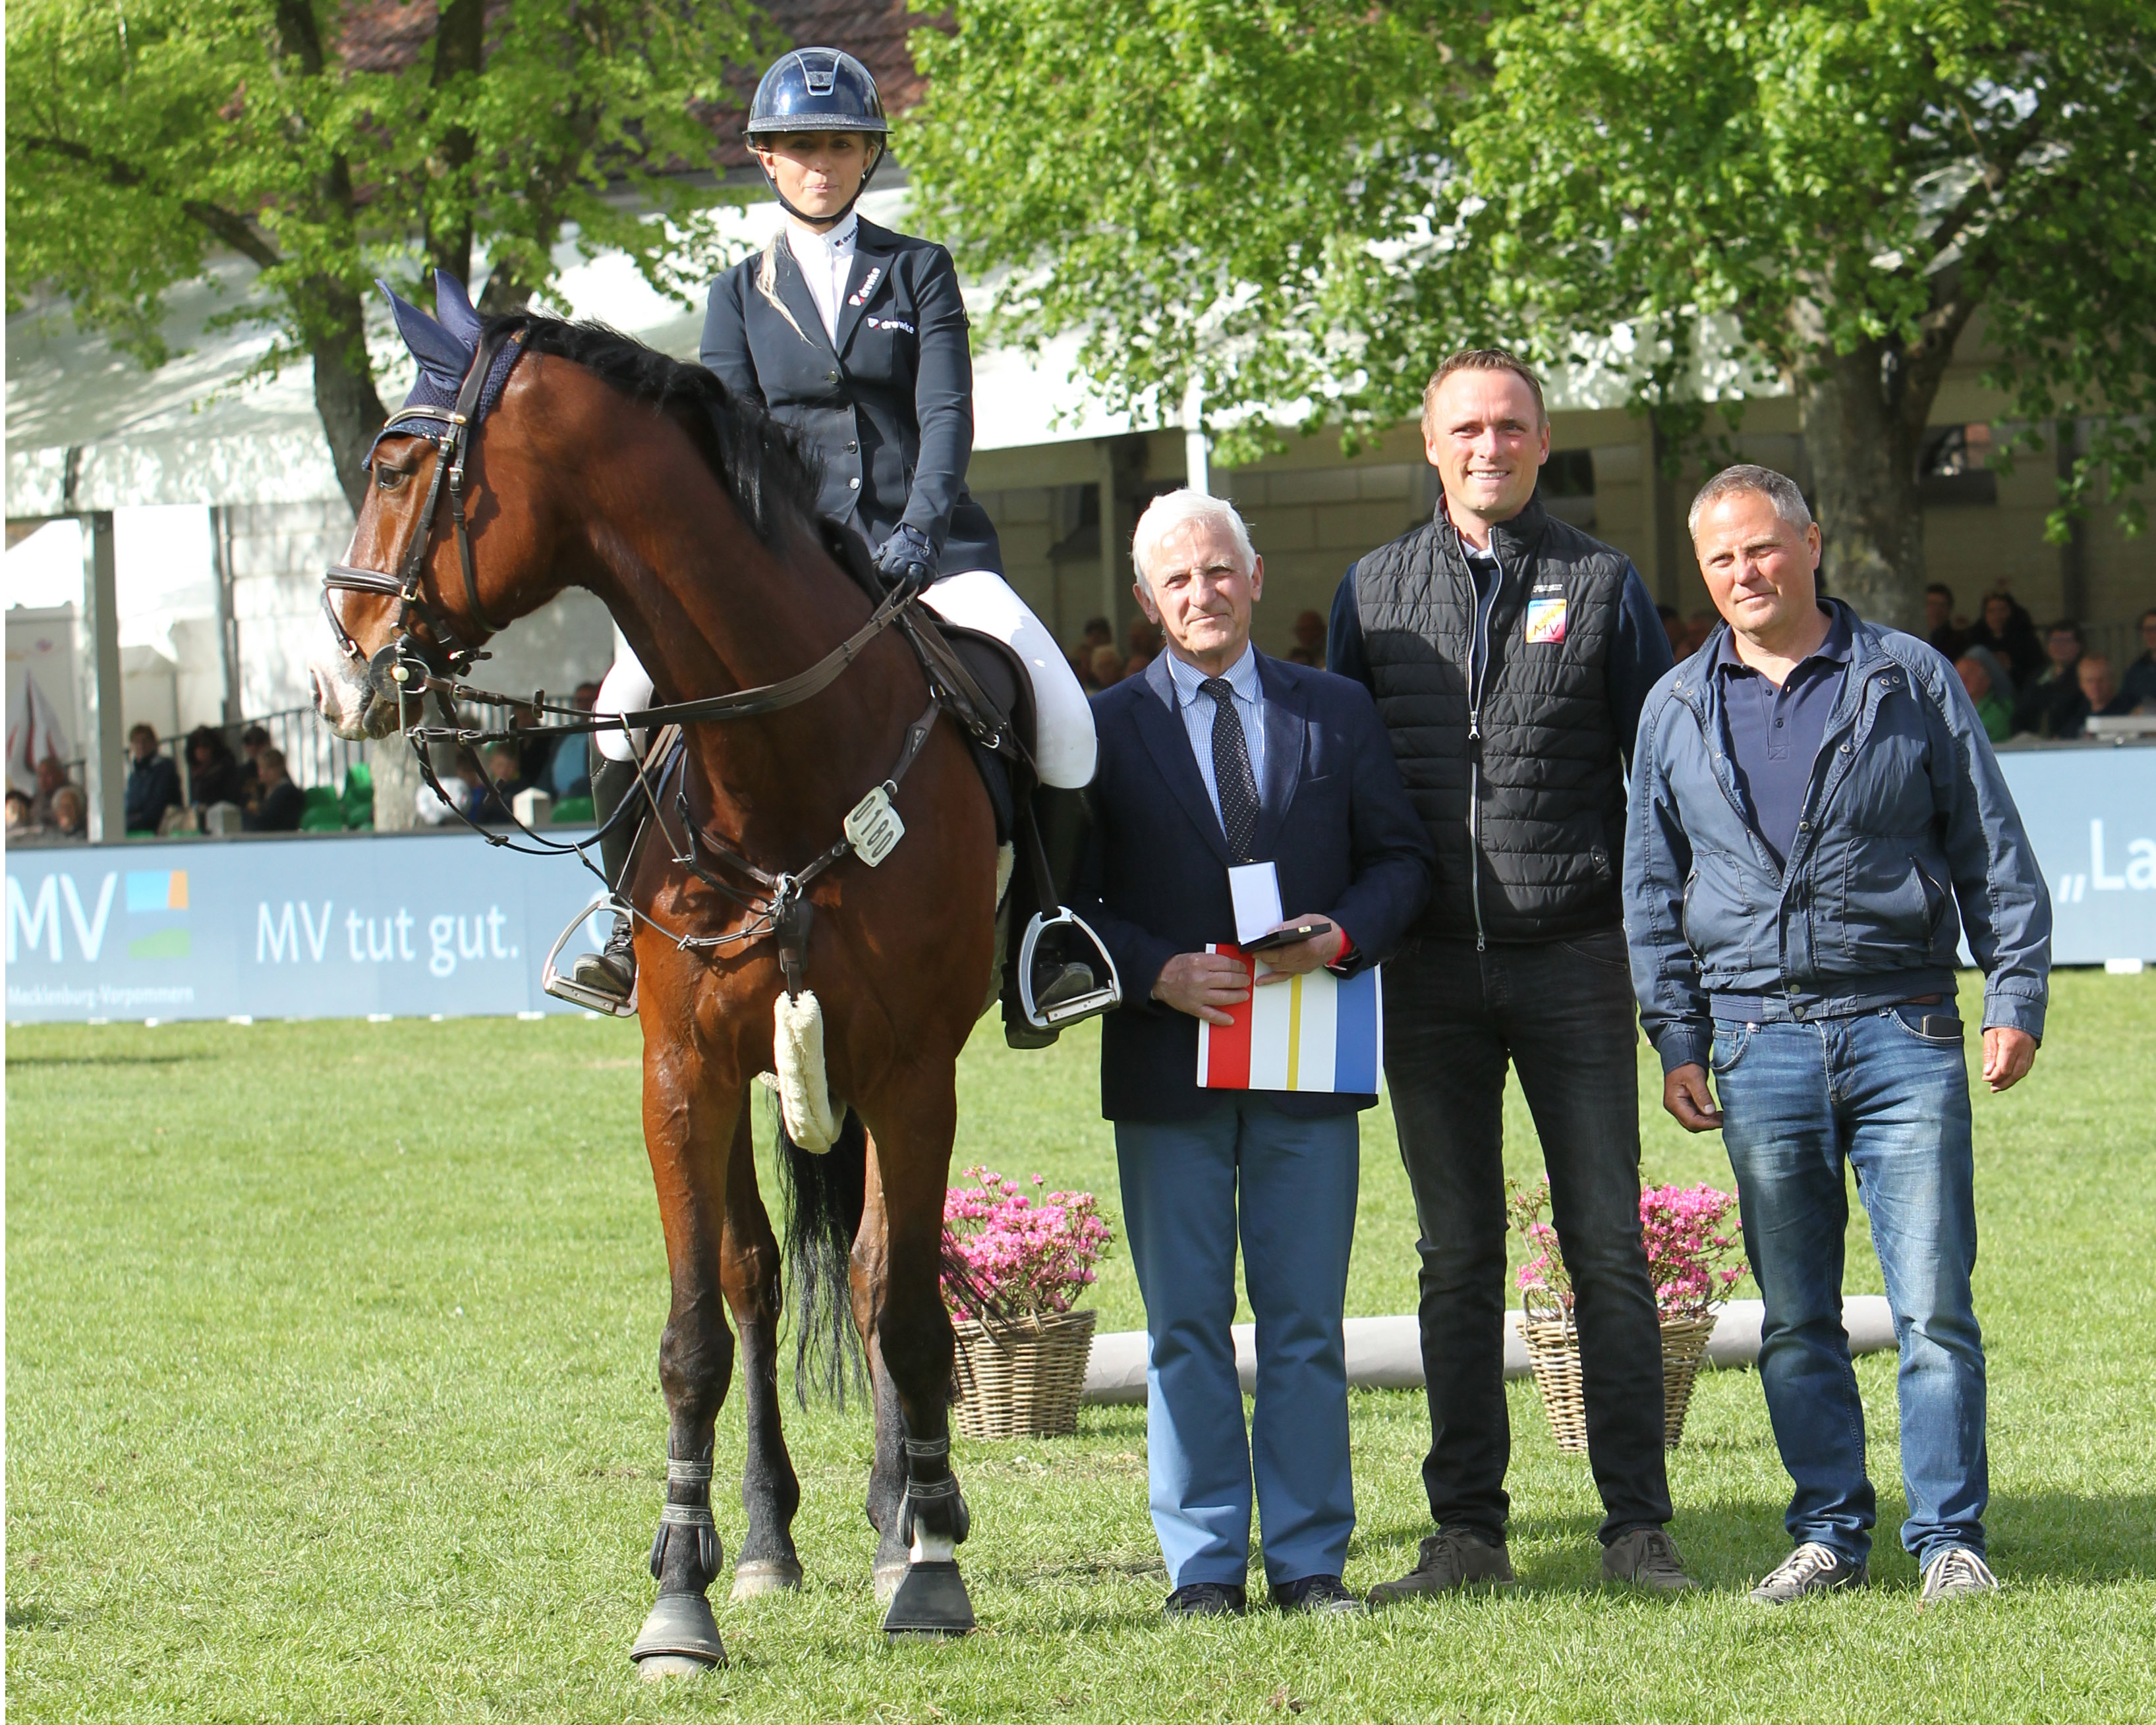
(689, 1130)
(771, 1492)
(914, 1124)
(887, 1477)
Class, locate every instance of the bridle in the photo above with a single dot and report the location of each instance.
(403, 669)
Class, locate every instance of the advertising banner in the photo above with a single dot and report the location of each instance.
(324, 927)
(304, 927)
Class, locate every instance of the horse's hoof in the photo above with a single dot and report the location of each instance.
(759, 1576)
(680, 1638)
(887, 1578)
(930, 1600)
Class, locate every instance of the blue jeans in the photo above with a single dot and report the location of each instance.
(1799, 1100)
(1287, 1186)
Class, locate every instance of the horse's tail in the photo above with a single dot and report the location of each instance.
(825, 1195)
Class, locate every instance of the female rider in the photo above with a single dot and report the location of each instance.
(855, 339)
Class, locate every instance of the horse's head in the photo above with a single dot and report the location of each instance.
(432, 571)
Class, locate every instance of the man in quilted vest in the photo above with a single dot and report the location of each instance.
(1509, 654)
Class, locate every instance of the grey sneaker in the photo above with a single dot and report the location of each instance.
(1810, 1568)
(1646, 1558)
(1956, 1574)
(1451, 1558)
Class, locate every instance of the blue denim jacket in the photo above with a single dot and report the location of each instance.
(1907, 819)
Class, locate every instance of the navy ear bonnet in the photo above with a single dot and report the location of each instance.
(444, 346)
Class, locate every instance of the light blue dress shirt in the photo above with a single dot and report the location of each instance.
(1196, 706)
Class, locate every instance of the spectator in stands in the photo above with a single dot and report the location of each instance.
(2009, 632)
(1696, 632)
(2047, 706)
(153, 782)
(2138, 687)
(1144, 638)
(2100, 698)
(1673, 627)
(213, 775)
(534, 754)
(1940, 627)
(70, 812)
(1105, 667)
(1099, 633)
(19, 823)
(52, 779)
(496, 803)
(569, 767)
(279, 802)
(1309, 648)
(247, 779)
(1976, 666)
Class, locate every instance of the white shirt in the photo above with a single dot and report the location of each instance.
(826, 260)
(1197, 708)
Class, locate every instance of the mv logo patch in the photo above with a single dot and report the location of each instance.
(1546, 617)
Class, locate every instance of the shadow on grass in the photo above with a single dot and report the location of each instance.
(108, 1059)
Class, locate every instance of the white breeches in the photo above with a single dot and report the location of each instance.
(977, 599)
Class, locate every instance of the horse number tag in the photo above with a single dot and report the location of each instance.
(873, 828)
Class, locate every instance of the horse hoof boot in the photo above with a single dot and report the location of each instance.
(759, 1576)
(930, 1600)
(679, 1638)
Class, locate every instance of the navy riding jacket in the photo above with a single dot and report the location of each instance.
(1907, 818)
(1331, 816)
(886, 412)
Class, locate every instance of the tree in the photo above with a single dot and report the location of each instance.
(328, 143)
(1306, 200)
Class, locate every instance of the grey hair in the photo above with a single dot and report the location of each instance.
(1176, 509)
(1778, 488)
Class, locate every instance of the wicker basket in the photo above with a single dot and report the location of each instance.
(1553, 1352)
(1022, 1378)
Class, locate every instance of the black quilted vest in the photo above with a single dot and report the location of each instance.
(1528, 813)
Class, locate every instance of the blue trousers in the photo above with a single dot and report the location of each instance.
(1288, 1187)
(1874, 1092)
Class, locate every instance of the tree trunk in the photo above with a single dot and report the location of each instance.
(345, 396)
(1857, 412)
(459, 48)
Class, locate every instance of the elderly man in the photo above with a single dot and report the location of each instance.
(1812, 797)
(1510, 653)
(1216, 757)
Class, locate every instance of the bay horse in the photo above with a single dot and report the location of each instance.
(608, 466)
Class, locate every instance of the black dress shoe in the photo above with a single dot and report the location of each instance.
(611, 970)
(1316, 1593)
(1206, 1599)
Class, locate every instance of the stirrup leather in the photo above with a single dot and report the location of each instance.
(553, 980)
(1100, 999)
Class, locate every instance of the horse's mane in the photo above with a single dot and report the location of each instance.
(771, 483)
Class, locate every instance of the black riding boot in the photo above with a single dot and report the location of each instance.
(1065, 965)
(612, 971)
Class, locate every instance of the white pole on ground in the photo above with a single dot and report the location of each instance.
(105, 753)
(1195, 469)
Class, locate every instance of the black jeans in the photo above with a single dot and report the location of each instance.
(1563, 1012)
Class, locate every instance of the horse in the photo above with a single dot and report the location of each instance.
(606, 466)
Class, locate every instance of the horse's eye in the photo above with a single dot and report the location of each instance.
(387, 479)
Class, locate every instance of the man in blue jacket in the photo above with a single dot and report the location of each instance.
(1812, 797)
(1217, 757)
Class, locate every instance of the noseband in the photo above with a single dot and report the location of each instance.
(401, 671)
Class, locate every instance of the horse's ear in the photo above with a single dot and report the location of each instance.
(453, 308)
(440, 354)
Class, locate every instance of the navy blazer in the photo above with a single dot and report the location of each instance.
(1333, 818)
(886, 412)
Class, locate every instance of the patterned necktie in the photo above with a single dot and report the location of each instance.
(1231, 770)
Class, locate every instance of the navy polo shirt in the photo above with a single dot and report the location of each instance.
(1775, 733)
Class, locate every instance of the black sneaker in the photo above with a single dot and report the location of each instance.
(1810, 1568)
(612, 970)
(1207, 1599)
(1316, 1593)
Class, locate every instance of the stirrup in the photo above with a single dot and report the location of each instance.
(551, 981)
(1103, 998)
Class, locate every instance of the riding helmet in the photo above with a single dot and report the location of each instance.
(816, 89)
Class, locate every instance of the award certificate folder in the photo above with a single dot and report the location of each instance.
(1312, 1032)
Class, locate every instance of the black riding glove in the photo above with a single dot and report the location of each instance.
(906, 558)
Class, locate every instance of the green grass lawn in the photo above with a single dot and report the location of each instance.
(332, 1394)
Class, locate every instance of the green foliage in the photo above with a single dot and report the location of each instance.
(143, 140)
(322, 1411)
(1311, 199)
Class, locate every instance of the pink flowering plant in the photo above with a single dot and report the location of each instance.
(1692, 1258)
(1031, 1252)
